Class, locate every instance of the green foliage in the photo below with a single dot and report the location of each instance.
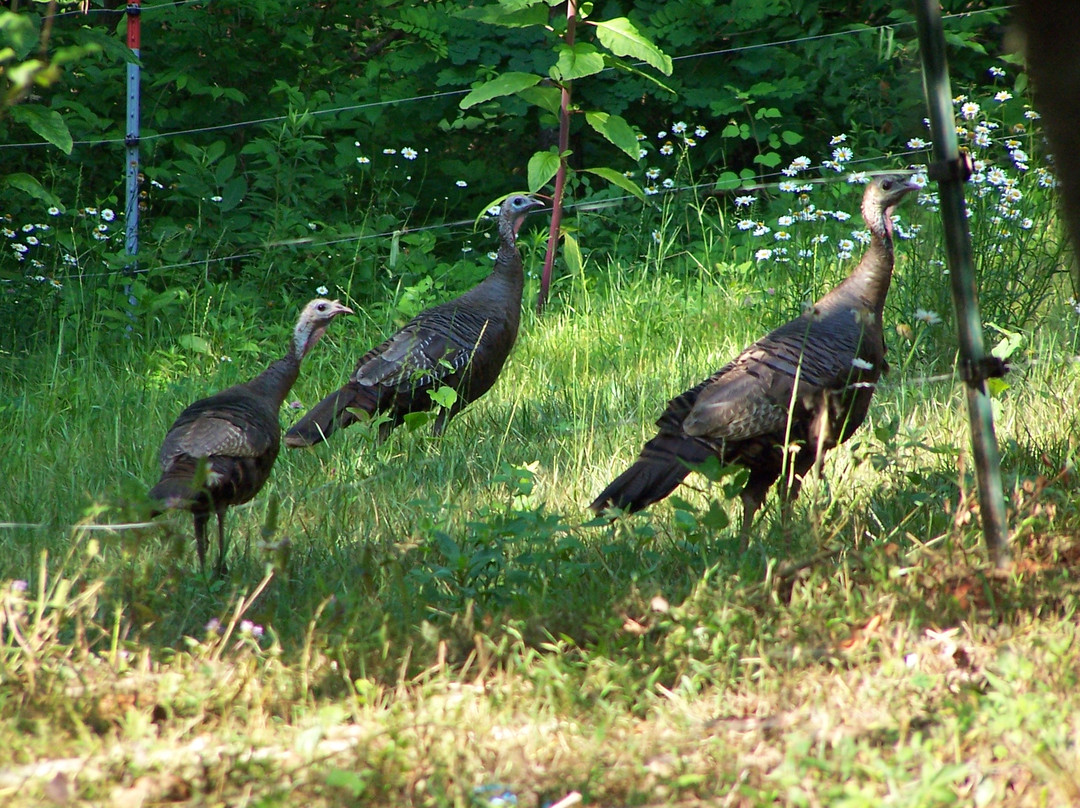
(573, 60)
(281, 181)
(402, 616)
(20, 74)
(437, 610)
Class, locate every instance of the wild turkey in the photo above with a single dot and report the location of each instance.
(461, 344)
(834, 353)
(220, 450)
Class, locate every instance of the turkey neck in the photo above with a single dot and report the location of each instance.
(274, 383)
(868, 283)
(503, 287)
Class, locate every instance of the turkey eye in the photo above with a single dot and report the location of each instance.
(887, 184)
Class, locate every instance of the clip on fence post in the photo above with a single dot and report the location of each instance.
(950, 169)
(131, 152)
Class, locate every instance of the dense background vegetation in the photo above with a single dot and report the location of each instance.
(436, 621)
(284, 143)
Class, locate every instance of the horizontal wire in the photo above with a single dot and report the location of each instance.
(760, 182)
(120, 10)
(833, 34)
(43, 525)
(241, 124)
(449, 93)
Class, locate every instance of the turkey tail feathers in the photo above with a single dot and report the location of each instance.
(170, 493)
(663, 463)
(329, 415)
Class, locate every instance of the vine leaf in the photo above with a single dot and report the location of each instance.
(45, 122)
(623, 39)
(542, 167)
(577, 61)
(618, 179)
(444, 396)
(29, 186)
(572, 254)
(516, 18)
(548, 98)
(506, 84)
(616, 130)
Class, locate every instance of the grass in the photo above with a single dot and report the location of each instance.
(439, 615)
(439, 621)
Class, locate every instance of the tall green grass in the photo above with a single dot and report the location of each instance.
(407, 621)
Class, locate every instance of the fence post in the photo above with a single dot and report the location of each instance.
(131, 151)
(951, 170)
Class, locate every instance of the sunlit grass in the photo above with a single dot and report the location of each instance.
(408, 621)
(432, 583)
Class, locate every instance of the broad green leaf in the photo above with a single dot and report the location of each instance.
(768, 159)
(29, 186)
(791, 138)
(20, 30)
(24, 73)
(577, 61)
(619, 64)
(716, 518)
(214, 151)
(617, 130)
(964, 41)
(684, 520)
(444, 396)
(416, 420)
(196, 344)
(506, 84)
(225, 169)
(339, 778)
(547, 98)
(542, 167)
(46, 122)
(618, 179)
(738, 130)
(623, 39)
(1009, 343)
(728, 181)
(233, 193)
(572, 254)
(362, 415)
(516, 18)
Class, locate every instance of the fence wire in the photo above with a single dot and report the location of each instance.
(762, 182)
(453, 93)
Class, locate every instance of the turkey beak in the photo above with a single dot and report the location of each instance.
(340, 308)
(540, 201)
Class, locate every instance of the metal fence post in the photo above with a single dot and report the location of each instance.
(131, 151)
(951, 170)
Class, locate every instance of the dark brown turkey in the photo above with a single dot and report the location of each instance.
(807, 384)
(461, 344)
(220, 450)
